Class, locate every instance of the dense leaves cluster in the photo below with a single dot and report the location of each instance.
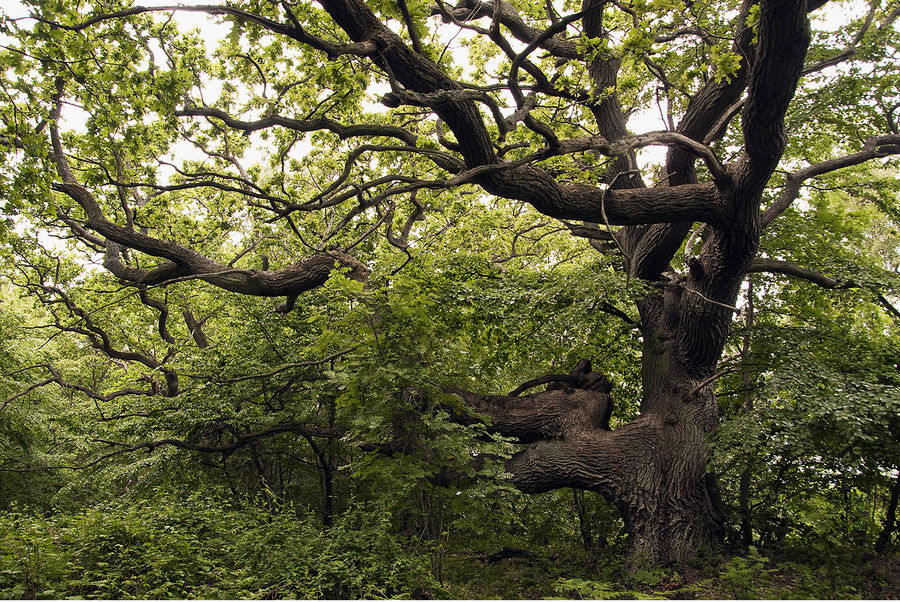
(204, 548)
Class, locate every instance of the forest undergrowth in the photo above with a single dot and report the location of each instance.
(207, 548)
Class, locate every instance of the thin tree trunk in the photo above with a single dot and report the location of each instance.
(890, 519)
(328, 486)
(744, 486)
(326, 479)
(584, 524)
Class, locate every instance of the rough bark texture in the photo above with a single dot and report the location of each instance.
(651, 469)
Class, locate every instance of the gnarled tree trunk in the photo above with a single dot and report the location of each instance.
(652, 469)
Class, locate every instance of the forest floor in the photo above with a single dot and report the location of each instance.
(516, 574)
(203, 549)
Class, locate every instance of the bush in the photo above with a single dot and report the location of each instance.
(203, 548)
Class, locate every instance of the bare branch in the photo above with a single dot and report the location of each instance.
(302, 125)
(557, 27)
(294, 31)
(788, 268)
(38, 385)
(708, 381)
(240, 441)
(272, 373)
(875, 147)
(509, 17)
(850, 50)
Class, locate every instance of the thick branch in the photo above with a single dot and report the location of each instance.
(572, 404)
(305, 275)
(788, 268)
(552, 414)
(594, 461)
(695, 202)
(875, 147)
(527, 183)
(783, 40)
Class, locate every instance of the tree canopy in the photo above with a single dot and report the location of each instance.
(325, 250)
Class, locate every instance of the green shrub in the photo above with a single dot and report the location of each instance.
(744, 575)
(202, 548)
(585, 589)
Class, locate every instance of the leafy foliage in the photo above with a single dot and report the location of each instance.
(203, 547)
(169, 430)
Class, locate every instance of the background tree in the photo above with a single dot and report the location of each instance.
(294, 169)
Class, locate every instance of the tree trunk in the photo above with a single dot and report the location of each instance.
(328, 485)
(746, 377)
(326, 462)
(665, 503)
(745, 510)
(890, 519)
(584, 523)
(653, 469)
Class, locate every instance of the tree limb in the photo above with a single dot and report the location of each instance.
(302, 125)
(294, 31)
(875, 147)
(788, 268)
(783, 40)
(850, 50)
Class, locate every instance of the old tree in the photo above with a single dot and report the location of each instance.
(343, 134)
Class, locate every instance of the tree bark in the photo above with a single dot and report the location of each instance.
(890, 519)
(652, 470)
(744, 485)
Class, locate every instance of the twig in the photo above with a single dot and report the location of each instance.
(271, 373)
(609, 227)
(712, 378)
(708, 300)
